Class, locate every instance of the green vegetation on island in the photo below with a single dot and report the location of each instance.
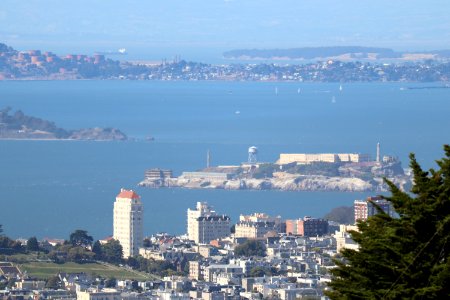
(17, 125)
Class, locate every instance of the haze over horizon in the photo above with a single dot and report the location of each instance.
(203, 30)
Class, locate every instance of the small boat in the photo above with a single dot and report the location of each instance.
(340, 87)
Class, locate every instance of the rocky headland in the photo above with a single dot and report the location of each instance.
(19, 126)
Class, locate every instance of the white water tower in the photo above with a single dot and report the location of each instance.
(252, 155)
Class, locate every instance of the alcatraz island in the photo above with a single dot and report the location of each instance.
(345, 172)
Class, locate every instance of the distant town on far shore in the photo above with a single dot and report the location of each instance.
(337, 64)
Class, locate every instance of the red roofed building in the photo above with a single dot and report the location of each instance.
(128, 222)
(128, 194)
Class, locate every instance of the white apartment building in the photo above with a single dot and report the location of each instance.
(205, 225)
(128, 222)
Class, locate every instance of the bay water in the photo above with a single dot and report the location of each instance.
(51, 188)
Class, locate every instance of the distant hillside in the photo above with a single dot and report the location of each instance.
(20, 126)
(342, 52)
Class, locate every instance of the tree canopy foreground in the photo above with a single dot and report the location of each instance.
(407, 256)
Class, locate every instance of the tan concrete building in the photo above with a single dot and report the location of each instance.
(254, 230)
(97, 295)
(260, 217)
(194, 270)
(257, 226)
(128, 222)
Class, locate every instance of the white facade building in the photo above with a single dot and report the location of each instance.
(343, 238)
(128, 222)
(205, 225)
(308, 158)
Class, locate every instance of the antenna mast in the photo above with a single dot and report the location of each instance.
(208, 159)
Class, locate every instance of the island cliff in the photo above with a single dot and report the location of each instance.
(338, 176)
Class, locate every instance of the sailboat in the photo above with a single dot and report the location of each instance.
(340, 88)
(276, 90)
(298, 91)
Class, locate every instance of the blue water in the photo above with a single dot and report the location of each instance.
(50, 188)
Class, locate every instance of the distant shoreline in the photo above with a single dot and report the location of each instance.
(52, 140)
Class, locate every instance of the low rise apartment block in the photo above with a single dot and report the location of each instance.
(307, 227)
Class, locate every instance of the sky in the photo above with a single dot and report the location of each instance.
(204, 29)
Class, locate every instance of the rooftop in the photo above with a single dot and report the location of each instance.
(128, 194)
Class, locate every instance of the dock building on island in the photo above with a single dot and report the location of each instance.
(152, 174)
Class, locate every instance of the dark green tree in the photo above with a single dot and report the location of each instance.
(405, 257)
(133, 262)
(53, 283)
(97, 250)
(1, 230)
(135, 286)
(110, 282)
(11, 282)
(147, 243)
(80, 238)
(79, 254)
(250, 248)
(32, 244)
(9, 246)
(260, 272)
(112, 251)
